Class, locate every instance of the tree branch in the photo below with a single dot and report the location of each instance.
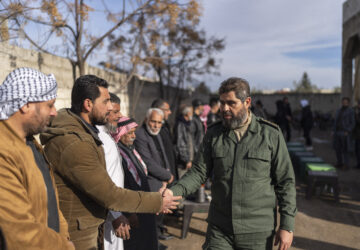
(123, 20)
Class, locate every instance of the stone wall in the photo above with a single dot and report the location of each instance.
(12, 57)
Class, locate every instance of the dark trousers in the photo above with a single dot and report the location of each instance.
(216, 239)
(159, 224)
(307, 137)
(357, 152)
(288, 131)
(341, 148)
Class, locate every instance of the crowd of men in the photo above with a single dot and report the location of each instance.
(100, 180)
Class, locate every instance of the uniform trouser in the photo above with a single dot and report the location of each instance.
(216, 239)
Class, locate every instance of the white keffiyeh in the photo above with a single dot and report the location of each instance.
(24, 85)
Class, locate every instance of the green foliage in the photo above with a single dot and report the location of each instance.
(337, 89)
(305, 85)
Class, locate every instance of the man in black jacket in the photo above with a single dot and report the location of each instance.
(197, 127)
(152, 150)
(166, 135)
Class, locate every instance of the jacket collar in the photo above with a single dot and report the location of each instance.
(86, 126)
(7, 126)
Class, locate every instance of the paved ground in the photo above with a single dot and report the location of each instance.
(321, 224)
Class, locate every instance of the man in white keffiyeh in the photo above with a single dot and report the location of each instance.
(24, 85)
(29, 212)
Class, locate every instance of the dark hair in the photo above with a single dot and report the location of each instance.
(238, 85)
(346, 98)
(114, 98)
(196, 103)
(258, 102)
(213, 101)
(158, 103)
(85, 87)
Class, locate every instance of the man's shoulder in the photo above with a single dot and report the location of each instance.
(268, 125)
(215, 129)
(141, 131)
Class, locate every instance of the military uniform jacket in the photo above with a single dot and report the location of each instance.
(249, 178)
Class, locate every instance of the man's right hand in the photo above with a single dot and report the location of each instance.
(121, 227)
(169, 201)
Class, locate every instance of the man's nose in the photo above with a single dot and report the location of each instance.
(224, 107)
(110, 106)
(53, 111)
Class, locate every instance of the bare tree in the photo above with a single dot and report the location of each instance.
(62, 27)
(172, 44)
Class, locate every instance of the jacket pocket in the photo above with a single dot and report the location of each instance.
(221, 163)
(86, 222)
(258, 162)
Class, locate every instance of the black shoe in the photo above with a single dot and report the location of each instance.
(165, 237)
(162, 246)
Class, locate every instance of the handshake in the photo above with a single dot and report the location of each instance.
(169, 200)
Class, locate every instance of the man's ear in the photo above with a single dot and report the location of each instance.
(248, 102)
(25, 109)
(87, 105)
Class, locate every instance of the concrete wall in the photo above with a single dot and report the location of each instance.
(12, 57)
(324, 103)
(350, 48)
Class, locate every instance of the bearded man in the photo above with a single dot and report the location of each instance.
(252, 173)
(152, 150)
(86, 190)
(30, 217)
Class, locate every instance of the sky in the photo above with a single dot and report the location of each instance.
(271, 43)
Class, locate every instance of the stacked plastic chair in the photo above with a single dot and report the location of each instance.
(312, 169)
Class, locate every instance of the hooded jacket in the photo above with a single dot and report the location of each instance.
(85, 188)
(23, 197)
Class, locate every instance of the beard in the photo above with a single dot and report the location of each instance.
(111, 128)
(38, 124)
(150, 131)
(235, 121)
(33, 130)
(97, 119)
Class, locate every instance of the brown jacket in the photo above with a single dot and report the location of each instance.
(23, 197)
(85, 188)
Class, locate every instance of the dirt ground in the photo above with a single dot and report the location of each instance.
(321, 224)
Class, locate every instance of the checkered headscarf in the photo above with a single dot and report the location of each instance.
(24, 85)
(125, 124)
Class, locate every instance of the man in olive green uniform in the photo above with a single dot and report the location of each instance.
(252, 174)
